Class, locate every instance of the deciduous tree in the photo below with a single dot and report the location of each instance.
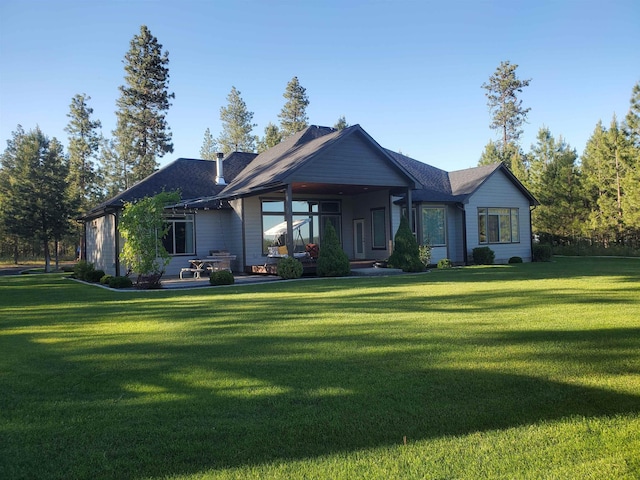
(143, 226)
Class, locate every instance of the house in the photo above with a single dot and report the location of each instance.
(321, 175)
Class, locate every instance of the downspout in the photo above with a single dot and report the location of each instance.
(83, 251)
(116, 238)
(465, 256)
(531, 229)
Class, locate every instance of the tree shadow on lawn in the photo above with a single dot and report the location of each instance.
(136, 410)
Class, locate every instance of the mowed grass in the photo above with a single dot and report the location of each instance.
(522, 371)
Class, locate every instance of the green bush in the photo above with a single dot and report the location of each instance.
(483, 256)
(120, 282)
(445, 263)
(406, 253)
(425, 254)
(289, 267)
(332, 261)
(81, 269)
(222, 277)
(542, 253)
(106, 279)
(515, 260)
(94, 276)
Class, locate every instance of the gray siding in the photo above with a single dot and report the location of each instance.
(361, 209)
(352, 161)
(499, 192)
(100, 246)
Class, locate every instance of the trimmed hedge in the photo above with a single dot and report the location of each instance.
(120, 282)
(289, 268)
(483, 256)
(94, 276)
(222, 277)
(515, 260)
(542, 253)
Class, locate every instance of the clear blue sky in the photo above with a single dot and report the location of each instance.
(408, 71)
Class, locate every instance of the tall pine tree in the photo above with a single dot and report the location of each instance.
(631, 181)
(293, 117)
(33, 187)
(554, 180)
(508, 114)
(272, 137)
(236, 125)
(84, 142)
(209, 146)
(605, 165)
(142, 133)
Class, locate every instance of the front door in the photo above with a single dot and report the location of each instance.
(358, 239)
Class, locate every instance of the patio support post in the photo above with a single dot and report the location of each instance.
(288, 213)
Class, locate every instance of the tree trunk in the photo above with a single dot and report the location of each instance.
(47, 259)
(57, 247)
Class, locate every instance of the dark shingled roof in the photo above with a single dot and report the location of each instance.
(195, 179)
(248, 173)
(271, 167)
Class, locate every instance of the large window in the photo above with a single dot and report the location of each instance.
(309, 218)
(434, 230)
(378, 229)
(498, 225)
(180, 239)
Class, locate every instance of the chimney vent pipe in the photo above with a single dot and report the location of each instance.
(219, 174)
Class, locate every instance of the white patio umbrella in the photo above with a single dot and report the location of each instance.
(281, 228)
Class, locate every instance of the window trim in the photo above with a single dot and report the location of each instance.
(444, 226)
(511, 230)
(186, 219)
(375, 222)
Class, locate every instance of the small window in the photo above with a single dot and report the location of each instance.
(179, 240)
(378, 229)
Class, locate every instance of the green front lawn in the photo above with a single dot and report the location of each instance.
(521, 371)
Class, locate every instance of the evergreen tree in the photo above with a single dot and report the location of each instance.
(605, 165)
(293, 117)
(554, 181)
(84, 142)
(631, 180)
(113, 175)
(272, 137)
(632, 119)
(142, 132)
(513, 158)
(341, 123)
(236, 125)
(33, 187)
(506, 108)
(209, 147)
(332, 261)
(406, 252)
